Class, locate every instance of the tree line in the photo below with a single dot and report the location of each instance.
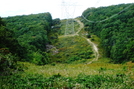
(116, 33)
(24, 38)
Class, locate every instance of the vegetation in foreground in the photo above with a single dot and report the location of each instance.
(73, 74)
(98, 75)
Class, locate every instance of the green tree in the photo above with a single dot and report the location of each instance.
(116, 33)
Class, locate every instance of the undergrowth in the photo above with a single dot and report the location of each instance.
(72, 49)
(57, 81)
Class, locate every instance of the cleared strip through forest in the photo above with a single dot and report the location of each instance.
(94, 46)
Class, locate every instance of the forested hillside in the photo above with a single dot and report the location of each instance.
(10, 50)
(31, 32)
(115, 26)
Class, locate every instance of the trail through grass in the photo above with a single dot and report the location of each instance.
(93, 45)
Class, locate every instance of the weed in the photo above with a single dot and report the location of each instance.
(82, 81)
(72, 49)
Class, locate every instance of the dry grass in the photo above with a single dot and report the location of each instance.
(73, 70)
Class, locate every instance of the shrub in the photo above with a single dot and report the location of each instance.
(82, 81)
(7, 63)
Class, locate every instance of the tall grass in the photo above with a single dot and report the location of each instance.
(98, 75)
(73, 70)
(72, 49)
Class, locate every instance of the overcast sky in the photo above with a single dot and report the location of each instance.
(58, 8)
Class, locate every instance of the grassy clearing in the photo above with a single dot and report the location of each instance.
(72, 49)
(98, 75)
(73, 70)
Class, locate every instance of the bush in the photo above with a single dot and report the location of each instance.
(38, 57)
(88, 36)
(57, 81)
(72, 59)
(7, 63)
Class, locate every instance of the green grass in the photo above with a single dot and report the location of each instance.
(72, 49)
(98, 75)
(73, 70)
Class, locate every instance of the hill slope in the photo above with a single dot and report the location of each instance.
(115, 26)
(31, 32)
(72, 47)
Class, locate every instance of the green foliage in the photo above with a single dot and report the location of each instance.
(102, 81)
(7, 40)
(72, 49)
(116, 33)
(53, 35)
(82, 81)
(7, 62)
(10, 50)
(1, 22)
(80, 55)
(31, 31)
(56, 21)
(72, 59)
(39, 58)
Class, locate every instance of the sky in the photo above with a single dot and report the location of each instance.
(58, 8)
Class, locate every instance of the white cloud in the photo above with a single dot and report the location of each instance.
(20, 7)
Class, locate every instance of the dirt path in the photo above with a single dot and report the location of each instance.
(94, 47)
(81, 25)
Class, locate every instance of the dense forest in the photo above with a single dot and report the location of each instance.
(10, 50)
(115, 26)
(25, 38)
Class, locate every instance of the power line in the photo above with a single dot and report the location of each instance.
(109, 17)
(69, 29)
(93, 6)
